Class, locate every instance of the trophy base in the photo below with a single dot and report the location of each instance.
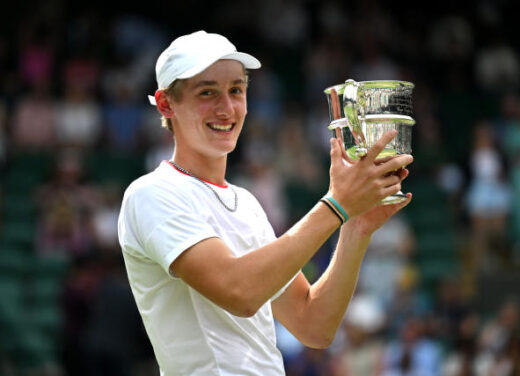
(394, 199)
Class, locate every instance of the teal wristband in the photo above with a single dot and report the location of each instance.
(337, 206)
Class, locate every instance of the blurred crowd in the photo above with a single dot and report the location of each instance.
(76, 128)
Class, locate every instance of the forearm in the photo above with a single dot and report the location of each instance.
(328, 297)
(265, 271)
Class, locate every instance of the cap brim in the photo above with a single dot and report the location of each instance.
(248, 61)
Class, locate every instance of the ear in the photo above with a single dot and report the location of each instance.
(163, 105)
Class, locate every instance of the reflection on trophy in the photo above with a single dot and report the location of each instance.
(361, 112)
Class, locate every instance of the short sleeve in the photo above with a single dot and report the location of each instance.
(176, 234)
(167, 222)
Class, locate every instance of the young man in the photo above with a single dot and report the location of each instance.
(206, 270)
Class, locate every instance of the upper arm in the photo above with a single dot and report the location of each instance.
(208, 267)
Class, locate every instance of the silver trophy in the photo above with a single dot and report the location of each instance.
(361, 112)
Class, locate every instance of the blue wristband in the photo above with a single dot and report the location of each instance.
(337, 206)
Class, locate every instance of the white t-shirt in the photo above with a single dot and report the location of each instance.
(164, 213)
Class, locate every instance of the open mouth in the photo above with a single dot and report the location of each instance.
(221, 127)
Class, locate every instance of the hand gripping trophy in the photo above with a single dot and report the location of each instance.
(361, 112)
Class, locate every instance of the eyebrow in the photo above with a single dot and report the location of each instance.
(214, 83)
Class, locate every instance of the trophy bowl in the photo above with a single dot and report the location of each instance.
(361, 112)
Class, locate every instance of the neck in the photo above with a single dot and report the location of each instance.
(209, 169)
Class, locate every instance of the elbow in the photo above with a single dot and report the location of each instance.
(244, 311)
(319, 341)
(242, 304)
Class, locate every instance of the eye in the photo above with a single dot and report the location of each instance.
(236, 90)
(206, 93)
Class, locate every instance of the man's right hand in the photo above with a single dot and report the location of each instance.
(359, 185)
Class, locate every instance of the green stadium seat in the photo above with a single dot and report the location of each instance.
(18, 232)
(17, 207)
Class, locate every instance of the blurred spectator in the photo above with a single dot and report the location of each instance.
(78, 117)
(122, 117)
(387, 256)
(488, 201)
(326, 64)
(104, 219)
(499, 342)
(408, 300)
(373, 65)
(451, 307)
(33, 125)
(260, 175)
(451, 38)
(362, 353)
(65, 204)
(265, 94)
(497, 66)
(37, 51)
(284, 23)
(79, 291)
(460, 360)
(309, 362)
(305, 180)
(138, 41)
(413, 353)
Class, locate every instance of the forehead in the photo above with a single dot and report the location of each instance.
(222, 71)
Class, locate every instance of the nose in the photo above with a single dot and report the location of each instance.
(224, 107)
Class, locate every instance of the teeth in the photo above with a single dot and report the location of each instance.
(221, 127)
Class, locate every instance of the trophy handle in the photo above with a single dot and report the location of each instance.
(353, 107)
(338, 123)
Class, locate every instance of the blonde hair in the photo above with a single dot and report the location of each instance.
(174, 91)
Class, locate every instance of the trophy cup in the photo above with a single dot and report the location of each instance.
(361, 112)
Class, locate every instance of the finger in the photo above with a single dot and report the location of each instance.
(390, 190)
(339, 137)
(378, 147)
(395, 163)
(344, 153)
(399, 205)
(379, 161)
(403, 173)
(335, 152)
(390, 180)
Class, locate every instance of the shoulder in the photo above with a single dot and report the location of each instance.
(159, 187)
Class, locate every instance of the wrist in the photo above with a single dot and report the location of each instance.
(336, 208)
(357, 230)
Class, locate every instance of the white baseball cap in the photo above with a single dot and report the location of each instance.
(190, 54)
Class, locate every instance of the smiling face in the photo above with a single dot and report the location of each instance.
(209, 115)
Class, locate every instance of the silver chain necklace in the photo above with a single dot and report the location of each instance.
(209, 186)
